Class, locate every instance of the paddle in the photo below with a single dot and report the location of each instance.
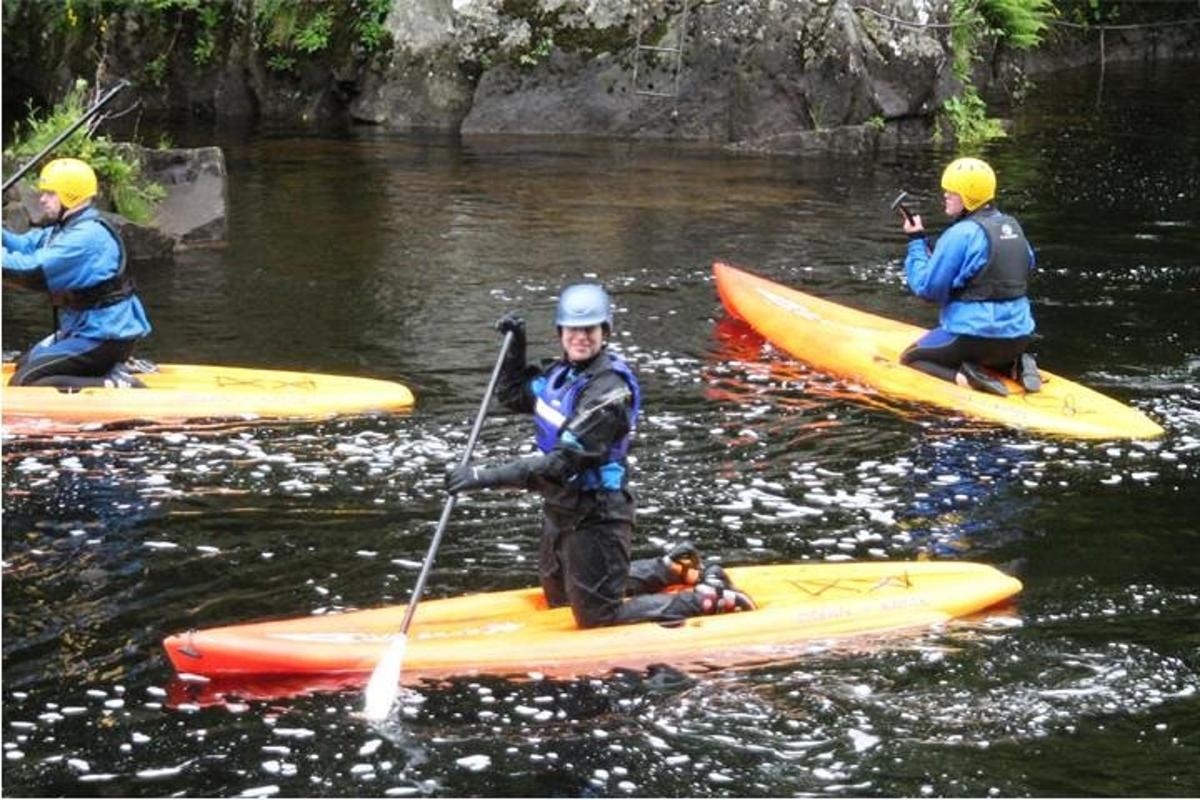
(62, 137)
(384, 684)
(899, 207)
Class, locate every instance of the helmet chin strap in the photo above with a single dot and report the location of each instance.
(64, 212)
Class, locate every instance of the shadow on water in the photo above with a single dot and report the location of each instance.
(390, 256)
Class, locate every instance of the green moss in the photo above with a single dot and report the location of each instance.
(120, 173)
(547, 33)
(287, 32)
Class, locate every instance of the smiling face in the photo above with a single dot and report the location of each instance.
(581, 344)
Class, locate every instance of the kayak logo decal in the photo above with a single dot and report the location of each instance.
(460, 633)
(363, 637)
(788, 304)
(300, 384)
(836, 610)
(333, 637)
(818, 587)
(1067, 405)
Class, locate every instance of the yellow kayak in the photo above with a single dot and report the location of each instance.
(179, 392)
(866, 348)
(514, 633)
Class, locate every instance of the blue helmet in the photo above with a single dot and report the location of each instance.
(584, 305)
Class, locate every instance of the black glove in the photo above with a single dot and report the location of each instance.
(512, 322)
(515, 473)
(462, 479)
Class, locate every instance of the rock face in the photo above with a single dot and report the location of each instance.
(1065, 48)
(807, 74)
(424, 84)
(748, 73)
(193, 211)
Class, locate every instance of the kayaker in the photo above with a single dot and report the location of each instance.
(79, 259)
(978, 271)
(585, 407)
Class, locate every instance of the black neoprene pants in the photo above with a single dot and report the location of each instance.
(584, 563)
(54, 366)
(942, 361)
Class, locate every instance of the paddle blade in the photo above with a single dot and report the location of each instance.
(385, 681)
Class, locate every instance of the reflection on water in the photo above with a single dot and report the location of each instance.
(376, 255)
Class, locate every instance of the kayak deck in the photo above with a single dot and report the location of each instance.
(866, 348)
(179, 392)
(513, 632)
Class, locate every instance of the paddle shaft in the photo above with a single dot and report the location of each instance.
(419, 589)
(898, 206)
(91, 112)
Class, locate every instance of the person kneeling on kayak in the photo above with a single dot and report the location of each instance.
(585, 406)
(978, 272)
(80, 260)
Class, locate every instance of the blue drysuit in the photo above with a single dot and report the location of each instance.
(961, 252)
(73, 256)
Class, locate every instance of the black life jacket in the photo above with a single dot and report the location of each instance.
(1005, 276)
(105, 293)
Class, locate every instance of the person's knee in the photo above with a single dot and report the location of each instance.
(595, 616)
(69, 383)
(554, 594)
(29, 375)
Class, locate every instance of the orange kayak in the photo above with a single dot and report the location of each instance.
(514, 633)
(866, 348)
(180, 392)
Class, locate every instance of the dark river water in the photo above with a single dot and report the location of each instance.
(390, 256)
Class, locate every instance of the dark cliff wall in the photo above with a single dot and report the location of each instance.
(749, 71)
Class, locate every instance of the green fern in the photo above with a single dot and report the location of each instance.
(314, 36)
(1020, 23)
(967, 115)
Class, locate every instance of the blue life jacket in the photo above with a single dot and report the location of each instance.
(557, 393)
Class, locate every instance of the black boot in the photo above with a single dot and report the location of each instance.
(1025, 372)
(979, 380)
(718, 595)
(683, 562)
(119, 377)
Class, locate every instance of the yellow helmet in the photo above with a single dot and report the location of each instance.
(71, 179)
(972, 180)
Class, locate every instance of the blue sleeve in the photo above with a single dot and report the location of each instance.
(960, 253)
(77, 258)
(22, 243)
